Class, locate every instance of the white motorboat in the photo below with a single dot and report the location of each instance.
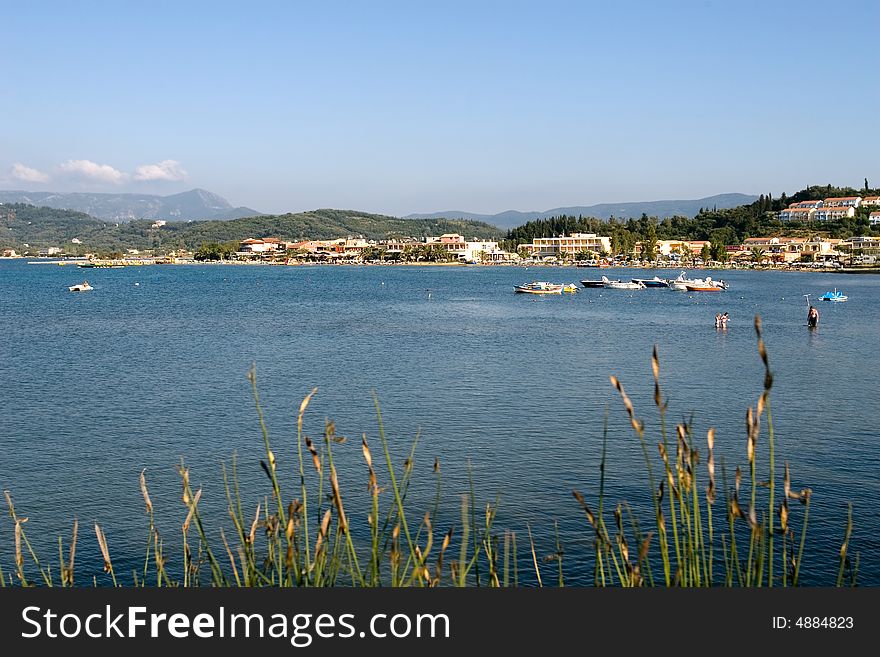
(621, 285)
(685, 284)
(81, 287)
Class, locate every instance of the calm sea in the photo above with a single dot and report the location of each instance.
(508, 391)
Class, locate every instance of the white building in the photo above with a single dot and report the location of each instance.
(569, 245)
(468, 250)
(834, 212)
(260, 246)
(798, 214)
(871, 200)
(874, 218)
(849, 201)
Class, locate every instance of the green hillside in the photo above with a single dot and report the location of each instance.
(44, 227)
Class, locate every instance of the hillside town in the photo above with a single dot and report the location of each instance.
(831, 209)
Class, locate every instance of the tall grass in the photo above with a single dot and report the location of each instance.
(693, 536)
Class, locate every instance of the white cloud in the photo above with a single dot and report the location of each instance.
(27, 174)
(89, 170)
(169, 170)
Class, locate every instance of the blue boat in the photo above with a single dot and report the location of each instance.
(833, 296)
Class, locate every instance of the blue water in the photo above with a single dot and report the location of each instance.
(506, 389)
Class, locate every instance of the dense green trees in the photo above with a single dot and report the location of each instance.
(216, 251)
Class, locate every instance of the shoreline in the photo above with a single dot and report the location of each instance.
(101, 264)
(121, 263)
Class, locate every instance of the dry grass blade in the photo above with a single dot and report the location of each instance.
(316, 460)
(303, 406)
(710, 466)
(253, 532)
(322, 532)
(590, 517)
(19, 558)
(145, 492)
(192, 510)
(368, 457)
(337, 499)
(184, 475)
(105, 552)
(636, 424)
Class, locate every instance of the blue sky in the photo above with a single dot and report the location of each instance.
(402, 107)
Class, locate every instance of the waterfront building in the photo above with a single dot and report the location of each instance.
(871, 200)
(792, 249)
(862, 244)
(468, 250)
(696, 246)
(672, 249)
(543, 247)
(395, 247)
(252, 245)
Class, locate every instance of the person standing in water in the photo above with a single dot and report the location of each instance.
(813, 317)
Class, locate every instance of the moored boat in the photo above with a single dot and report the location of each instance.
(651, 282)
(705, 286)
(589, 283)
(81, 287)
(570, 287)
(539, 287)
(621, 285)
(683, 283)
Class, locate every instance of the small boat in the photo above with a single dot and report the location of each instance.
(833, 296)
(651, 282)
(707, 285)
(570, 287)
(588, 283)
(683, 283)
(621, 285)
(539, 287)
(81, 287)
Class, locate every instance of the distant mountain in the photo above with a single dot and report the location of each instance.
(661, 209)
(122, 208)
